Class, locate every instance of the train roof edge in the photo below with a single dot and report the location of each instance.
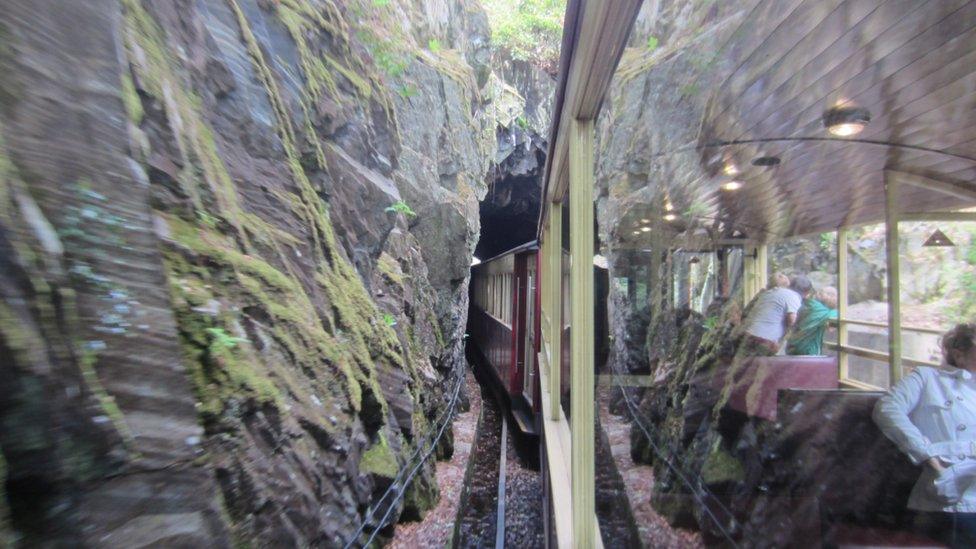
(530, 245)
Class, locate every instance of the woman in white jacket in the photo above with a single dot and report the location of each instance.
(931, 416)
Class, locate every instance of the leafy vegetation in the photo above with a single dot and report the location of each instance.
(388, 54)
(434, 45)
(407, 91)
(696, 209)
(965, 309)
(401, 207)
(220, 338)
(828, 241)
(652, 43)
(530, 29)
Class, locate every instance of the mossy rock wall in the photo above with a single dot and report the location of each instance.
(205, 269)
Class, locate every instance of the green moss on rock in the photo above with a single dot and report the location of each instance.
(379, 460)
(421, 496)
(133, 105)
(720, 466)
(390, 269)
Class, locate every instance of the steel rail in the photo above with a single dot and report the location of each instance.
(502, 465)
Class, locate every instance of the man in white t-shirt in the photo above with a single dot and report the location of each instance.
(773, 314)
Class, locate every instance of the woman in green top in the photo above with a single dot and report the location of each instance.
(811, 322)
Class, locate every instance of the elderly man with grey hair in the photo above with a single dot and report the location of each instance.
(772, 316)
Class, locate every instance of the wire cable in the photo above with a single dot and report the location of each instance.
(458, 373)
(674, 468)
(443, 420)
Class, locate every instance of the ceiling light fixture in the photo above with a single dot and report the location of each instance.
(731, 185)
(670, 217)
(667, 205)
(730, 169)
(645, 229)
(765, 161)
(846, 121)
(645, 220)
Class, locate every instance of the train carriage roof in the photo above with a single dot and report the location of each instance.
(528, 246)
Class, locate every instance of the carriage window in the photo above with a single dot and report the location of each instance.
(503, 298)
(500, 302)
(494, 295)
(507, 317)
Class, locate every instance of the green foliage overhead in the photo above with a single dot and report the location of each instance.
(652, 43)
(529, 29)
(434, 45)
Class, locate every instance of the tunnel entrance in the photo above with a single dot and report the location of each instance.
(509, 214)
(510, 211)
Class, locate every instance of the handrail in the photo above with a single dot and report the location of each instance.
(875, 324)
(880, 356)
(859, 385)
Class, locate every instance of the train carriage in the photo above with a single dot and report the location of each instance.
(504, 326)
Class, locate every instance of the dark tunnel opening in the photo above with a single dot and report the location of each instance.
(509, 214)
(510, 211)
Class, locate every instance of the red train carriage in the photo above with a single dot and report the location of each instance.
(504, 326)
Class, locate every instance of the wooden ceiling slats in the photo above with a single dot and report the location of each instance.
(825, 215)
(915, 161)
(766, 86)
(940, 127)
(911, 63)
(836, 64)
(915, 59)
(908, 116)
(964, 148)
(745, 42)
(938, 168)
(913, 66)
(820, 209)
(821, 188)
(823, 160)
(865, 71)
(779, 42)
(865, 75)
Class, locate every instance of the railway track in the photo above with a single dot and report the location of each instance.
(501, 504)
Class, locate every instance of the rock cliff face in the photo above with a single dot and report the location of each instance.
(522, 107)
(236, 239)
